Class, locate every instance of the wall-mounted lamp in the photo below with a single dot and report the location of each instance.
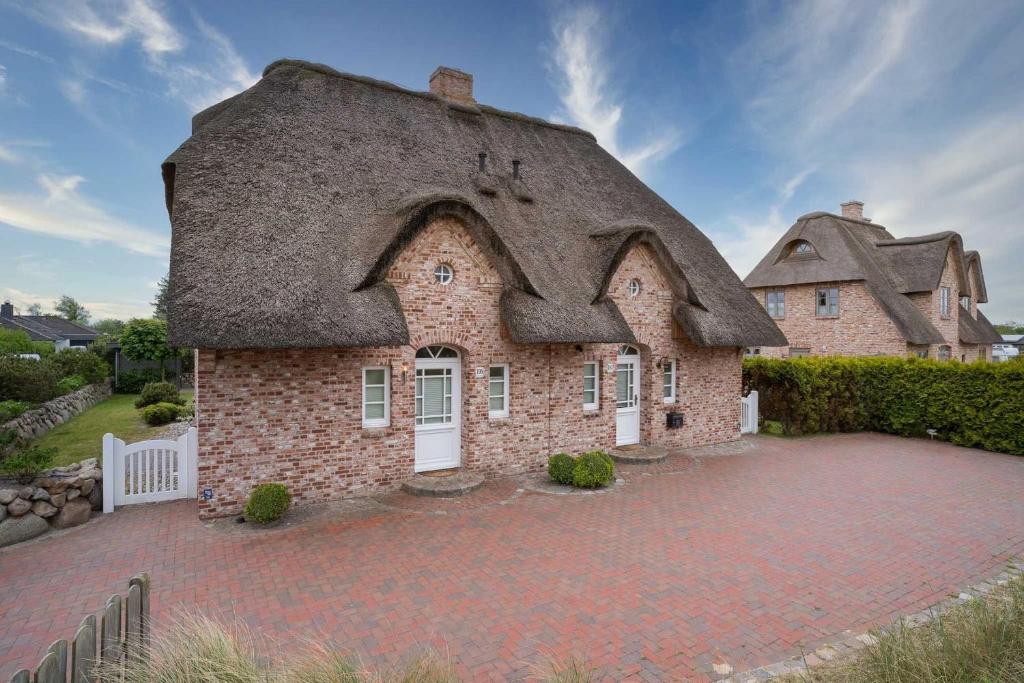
(405, 372)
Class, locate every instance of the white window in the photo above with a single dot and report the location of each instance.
(828, 302)
(634, 287)
(668, 370)
(443, 274)
(944, 302)
(590, 385)
(775, 302)
(376, 399)
(497, 400)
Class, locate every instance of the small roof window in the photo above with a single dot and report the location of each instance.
(799, 249)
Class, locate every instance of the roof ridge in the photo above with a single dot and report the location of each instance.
(387, 85)
(823, 214)
(918, 239)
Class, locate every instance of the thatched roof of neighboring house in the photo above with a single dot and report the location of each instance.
(850, 249)
(290, 200)
(977, 331)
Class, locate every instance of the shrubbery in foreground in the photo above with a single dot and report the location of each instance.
(267, 502)
(589, 471)
(980, 405)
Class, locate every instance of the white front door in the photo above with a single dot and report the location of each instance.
(438, 413)
(627, 399)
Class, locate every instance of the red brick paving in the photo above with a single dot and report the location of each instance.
(742, 559)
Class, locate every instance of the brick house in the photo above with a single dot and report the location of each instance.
(842, 285)
(380, 281)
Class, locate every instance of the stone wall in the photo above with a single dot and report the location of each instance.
(36, 422)
(61, 498)
(294, 415)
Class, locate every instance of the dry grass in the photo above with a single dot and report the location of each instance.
(980, 641)
(197, 649)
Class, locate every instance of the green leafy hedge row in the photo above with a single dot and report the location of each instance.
(980, 405)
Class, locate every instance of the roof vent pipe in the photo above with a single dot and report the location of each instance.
(483, 162)
(515, 169)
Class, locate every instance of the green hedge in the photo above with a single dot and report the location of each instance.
(980, 405)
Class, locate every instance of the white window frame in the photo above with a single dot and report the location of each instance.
(597, 385)
(944, 302)
(504, 412)
(671, 398)
(386, 420)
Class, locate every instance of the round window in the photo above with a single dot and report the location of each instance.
(443, 274)
(634, 287)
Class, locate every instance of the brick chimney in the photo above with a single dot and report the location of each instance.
(452, 84)
(6, 310)
(853, 209)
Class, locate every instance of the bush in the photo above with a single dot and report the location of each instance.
(12, 409)
(980, 405)
(560, 468)
(267, 502)
(22, 379)
(132, 381)
(27, 464)
(79, 362)
(71, 383)
(160, 414)
(593, 470)
(159, 392)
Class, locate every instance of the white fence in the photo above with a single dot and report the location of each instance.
(148, 471)
(748, 414)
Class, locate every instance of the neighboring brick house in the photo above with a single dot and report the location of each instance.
(381, 281)
(842, 285)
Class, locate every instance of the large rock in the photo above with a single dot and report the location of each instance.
(3, 512)
(59, 500)
(17, 529)
(26, 492)
(91, 474)
(8, 496)
(73, 493)
(43, 509)
(87, 486)
(18, 507)
(73, 513)
(40, 494)
(96, 498)
(88, 464)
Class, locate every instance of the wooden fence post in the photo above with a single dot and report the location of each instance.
(142, 581)
(108, 473)
(83, 652)
(110, 634)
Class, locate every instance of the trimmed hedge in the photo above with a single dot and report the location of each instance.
(80, 363)
(980, 405)
(267, 502)
(593, 470)
(160, 414)
(133, 381)
(560, 468)
(159, 392)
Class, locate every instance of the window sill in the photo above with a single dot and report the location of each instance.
(497, 416)
(375, 431)
(827, 317)
(669, 401)
(591, 412)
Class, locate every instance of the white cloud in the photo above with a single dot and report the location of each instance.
(98, 309)
(27, 51)
(585, 95)
(198, 73)
(61, 210)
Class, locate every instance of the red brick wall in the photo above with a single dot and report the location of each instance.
(861, 329)
(295, 415)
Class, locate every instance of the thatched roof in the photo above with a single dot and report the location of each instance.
(848, 249)
(290, 200)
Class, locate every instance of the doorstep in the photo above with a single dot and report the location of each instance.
(638, 455)
(444, 484)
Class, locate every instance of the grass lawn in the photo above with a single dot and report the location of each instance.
(81, 437)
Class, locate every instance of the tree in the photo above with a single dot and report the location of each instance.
(146, 339)
(1010, 327)
(109, 326)
(15, 341)
(35, 309)
(160, 302)
(70, 309)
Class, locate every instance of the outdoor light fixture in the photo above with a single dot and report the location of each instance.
(405, 372)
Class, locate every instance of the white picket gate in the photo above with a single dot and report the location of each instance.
(149, 471)
(748, 414)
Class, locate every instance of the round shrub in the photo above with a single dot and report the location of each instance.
(560, 468)
(158, 392)
(267, 502)
(160, 414)
(593, 470)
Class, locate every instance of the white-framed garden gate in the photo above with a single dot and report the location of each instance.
(748, 413)
(149, 471)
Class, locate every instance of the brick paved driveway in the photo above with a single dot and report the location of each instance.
(736, 558)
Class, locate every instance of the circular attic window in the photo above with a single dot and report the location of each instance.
(443, 274)
(634, 287)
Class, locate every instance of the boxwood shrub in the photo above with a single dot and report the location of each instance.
(980, 405)
(593, 470)
(160, 414)
(158, 392)
(560, 468)
(267, 502)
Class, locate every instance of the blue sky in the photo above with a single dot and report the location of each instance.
(743, 115)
